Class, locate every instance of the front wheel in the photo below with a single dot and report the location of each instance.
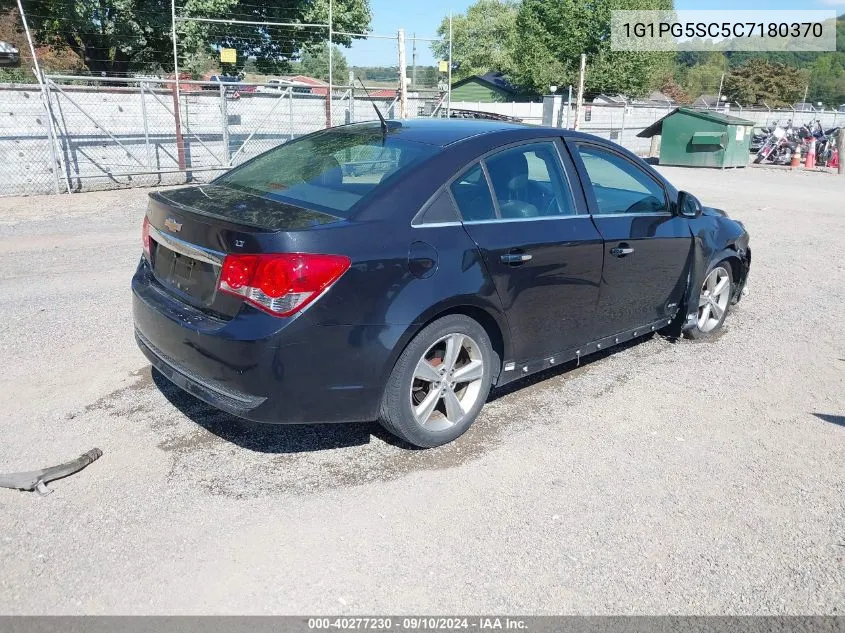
(439, 383)
(713, 302)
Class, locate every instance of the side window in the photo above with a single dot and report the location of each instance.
(529, 182)
(473, 196)
(441, 210)
(620, 186)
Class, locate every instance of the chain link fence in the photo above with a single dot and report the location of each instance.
(27, 149)
(62, 131)
(112, 133)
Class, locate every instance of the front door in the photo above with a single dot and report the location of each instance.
(539, 245)
(647, 247)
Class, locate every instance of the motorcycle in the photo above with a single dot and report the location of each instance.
(771, 144)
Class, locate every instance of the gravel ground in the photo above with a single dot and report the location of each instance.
(658, 478)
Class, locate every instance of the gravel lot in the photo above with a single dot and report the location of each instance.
(679, 478)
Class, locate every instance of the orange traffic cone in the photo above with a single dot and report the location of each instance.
(810, 163)
(796, 158)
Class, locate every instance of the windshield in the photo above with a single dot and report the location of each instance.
(329, 170)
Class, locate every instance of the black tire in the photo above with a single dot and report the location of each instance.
(712, 328)
(396, 412)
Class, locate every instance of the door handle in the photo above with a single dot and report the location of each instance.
(514, 259)
(621, 250)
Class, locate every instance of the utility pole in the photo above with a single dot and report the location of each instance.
(329, 96)
(804, 100)
(403, 83)
(569, 106)
(351, 96)
(580, 101)
(719, 96)
(449, 76)
(414, 63)
(177, 112)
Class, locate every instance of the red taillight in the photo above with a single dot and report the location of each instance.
(145, 236)
(280, 284)
(238, 271)
(272, 278)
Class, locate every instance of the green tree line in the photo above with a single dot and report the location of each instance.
(121, 37)
(538, 43)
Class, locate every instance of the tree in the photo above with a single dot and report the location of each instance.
(704, 74)
(671, 89)
(552, 34)
(56, 58)
(315, 63)
(700, 72)
(426, 76)
(482, 40)
(759, 80)
(377, 73)
(272, 47)
(118, 36)
(827, 79)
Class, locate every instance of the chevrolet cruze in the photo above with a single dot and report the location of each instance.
(398, 271)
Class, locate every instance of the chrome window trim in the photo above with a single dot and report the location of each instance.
(215, 258)
(554, 218)
(661, 214)
(434, 225)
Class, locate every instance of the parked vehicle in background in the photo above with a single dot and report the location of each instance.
(826, 153)
(276, 86)
(770, 146)
(185, 82)
(841, 108)
(230, 90)
(778, 144)
(759, 136)
(9, 54)
(469, 254)
(490, 116)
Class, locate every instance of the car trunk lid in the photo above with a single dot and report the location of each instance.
(193, 229)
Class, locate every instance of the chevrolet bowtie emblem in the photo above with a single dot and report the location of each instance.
(173, 225)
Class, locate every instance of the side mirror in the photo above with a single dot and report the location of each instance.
(688, 205)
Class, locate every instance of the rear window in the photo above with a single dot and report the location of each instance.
(330, 170)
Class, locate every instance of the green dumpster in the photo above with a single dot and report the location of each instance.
(701, 138)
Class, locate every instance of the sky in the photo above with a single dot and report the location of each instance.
(415, 16)
(424, 16)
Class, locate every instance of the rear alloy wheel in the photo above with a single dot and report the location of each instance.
(713, 302)
(447, 382)
(440, 382)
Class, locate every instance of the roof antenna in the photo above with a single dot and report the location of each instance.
(378, 112)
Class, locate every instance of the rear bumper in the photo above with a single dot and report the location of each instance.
(261, 368)
(213, 392)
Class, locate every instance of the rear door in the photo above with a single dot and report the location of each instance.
(538, 243)
(646, 246)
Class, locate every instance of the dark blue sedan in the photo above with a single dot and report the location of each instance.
(398, 271)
